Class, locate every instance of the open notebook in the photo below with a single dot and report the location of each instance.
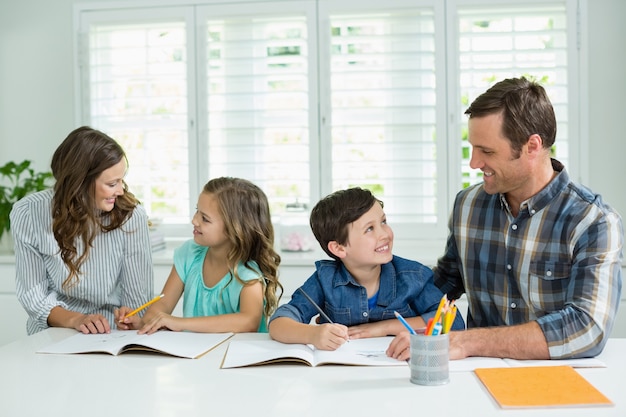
(180, 344)
(363, 352)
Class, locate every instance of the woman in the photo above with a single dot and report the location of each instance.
(82, 249)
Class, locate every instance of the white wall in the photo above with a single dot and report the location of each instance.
(607, 97)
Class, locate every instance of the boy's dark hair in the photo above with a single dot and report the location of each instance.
(331, 215)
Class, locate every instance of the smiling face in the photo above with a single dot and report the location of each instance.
(504, 171)
(109, 185)
(208, 225)
(370, 240)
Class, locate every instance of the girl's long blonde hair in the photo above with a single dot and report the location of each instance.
(248, 225)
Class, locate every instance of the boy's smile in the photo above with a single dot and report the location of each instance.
(370, 240)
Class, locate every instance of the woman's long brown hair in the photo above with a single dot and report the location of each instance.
(76, 164)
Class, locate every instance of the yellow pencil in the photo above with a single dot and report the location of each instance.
(137, 310)
(451, 315)
(442, 303)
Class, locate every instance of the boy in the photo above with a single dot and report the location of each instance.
(363, 285)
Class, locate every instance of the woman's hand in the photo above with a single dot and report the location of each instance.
(92, 323)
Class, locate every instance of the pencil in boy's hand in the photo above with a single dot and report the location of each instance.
(138, 309)
(318, 308)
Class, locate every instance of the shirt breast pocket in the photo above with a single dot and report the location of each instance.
(340, 315)
(548, 286)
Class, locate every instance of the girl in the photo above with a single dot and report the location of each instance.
(228, 273)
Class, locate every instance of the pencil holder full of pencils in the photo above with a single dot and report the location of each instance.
(429, 360)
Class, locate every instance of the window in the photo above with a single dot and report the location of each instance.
(383, 108)
(135, 83)
(257, 73)
(307, 97)
(508, 42)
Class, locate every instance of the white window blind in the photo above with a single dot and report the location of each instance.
(136, 80)
(304, 97)
(384, 109)
(258, 100)
(511, 41)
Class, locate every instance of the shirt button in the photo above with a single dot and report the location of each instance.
(549, 273)
(509, 267)
(514, 227)
(533, 211)
(513, 305)
(365, 314)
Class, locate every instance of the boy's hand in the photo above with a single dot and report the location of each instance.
(361, 331)
(400, 347)
(330, 336)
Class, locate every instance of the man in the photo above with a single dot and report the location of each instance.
(538, 256)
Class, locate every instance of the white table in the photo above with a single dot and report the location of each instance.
(155, 385)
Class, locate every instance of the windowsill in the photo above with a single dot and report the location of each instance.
(425, 252)
(165, 256)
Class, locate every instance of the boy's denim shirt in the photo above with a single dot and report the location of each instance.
(405, 286)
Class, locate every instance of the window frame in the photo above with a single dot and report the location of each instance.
(449, 118)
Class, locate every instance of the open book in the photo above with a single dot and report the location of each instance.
(474, 362)
(365, 352)
(181, 344)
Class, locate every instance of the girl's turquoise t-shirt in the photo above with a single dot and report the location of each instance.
(223, 298)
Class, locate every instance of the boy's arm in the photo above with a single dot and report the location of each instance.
(390, 327)
(325, 336)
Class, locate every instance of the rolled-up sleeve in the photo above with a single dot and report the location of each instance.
(582, 328)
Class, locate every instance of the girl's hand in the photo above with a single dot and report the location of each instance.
(92, 323)
(330, 336)
(133, 322)
(161, 321)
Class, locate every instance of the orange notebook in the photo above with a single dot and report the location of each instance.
(540, 386)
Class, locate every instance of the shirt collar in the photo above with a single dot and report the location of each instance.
(540, 200)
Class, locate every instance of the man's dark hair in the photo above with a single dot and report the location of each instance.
(525, 107)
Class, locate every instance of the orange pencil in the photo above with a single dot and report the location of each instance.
(442, 303)
(138, 309)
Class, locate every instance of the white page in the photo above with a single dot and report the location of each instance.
(474, 362)
(471, 363)
(255, 352)
(574, 363)
(102, 342)
(183, 344)
(368, 352)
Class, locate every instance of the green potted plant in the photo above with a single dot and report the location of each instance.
(17, 181)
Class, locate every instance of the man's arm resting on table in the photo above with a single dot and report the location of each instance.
(523, 341)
